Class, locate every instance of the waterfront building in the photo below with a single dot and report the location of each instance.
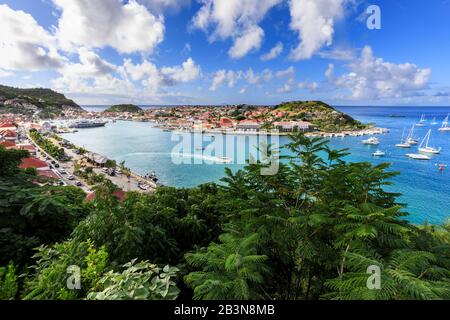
(249, 125)
(293, 126)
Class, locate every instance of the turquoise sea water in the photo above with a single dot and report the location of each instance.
(424, 188)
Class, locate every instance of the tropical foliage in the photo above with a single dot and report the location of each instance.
(321, 228)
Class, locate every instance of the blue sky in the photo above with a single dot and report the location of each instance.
(228, 51)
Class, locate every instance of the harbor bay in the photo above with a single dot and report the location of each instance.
(424, 185)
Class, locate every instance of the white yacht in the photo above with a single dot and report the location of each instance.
(434, 122)
(418, 156)
(445, 126)
(223, 160)
(379, 153)
(425, 148)
(372, 141)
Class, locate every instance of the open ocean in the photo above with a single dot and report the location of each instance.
(425, 190)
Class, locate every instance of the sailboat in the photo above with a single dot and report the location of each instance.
(434, 122)
(403, 143)
(422, 121)
(445, 126)
(425, 148)
(410, 139)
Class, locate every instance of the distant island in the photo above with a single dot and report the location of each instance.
(131, 108)
(36, 102)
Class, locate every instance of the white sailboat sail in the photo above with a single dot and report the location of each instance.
(425, 147)
(403, 143)
(445, 126)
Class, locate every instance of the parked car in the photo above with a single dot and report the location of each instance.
(105, 170)
(112, 172)
(62, 171)
(71, 177)
(56, 165)
(78, 184)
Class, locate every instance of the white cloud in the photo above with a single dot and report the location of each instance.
(273, 53)
(338, 54)
(374, 78)
(311, 86)
(24, 44)
(188, 71)
(250, 40)
(288, 74)
(164, 5)
(5, 74)
(329, 73)
(314, 21)
(128, 28)
(222, 77)
(235, 19)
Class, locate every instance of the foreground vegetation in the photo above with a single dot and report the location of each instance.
(309, 232)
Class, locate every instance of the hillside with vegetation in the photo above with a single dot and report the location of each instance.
(44, 103)
(312, 231)
(323, 116)
(120, 108)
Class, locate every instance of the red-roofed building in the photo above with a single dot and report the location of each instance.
(48, 174)
(31, 149)
(8, 135)
(291, 126)
(226, 123)
(7, 126)
(249, 125)
(119, 194)
(34, 163)
(8, 144)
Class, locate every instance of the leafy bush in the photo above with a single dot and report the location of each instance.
(8, 282)
(139, 281)
(49, 281)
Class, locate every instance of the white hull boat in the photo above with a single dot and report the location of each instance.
(424, 146)
(445, 126)
(371, 141)
(379, 153)
(416, 156)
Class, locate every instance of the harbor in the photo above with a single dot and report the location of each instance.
(146, 148)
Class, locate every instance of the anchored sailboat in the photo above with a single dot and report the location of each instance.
(425, 148)
(410, 139)
(403, 143)
(434, 122)
(422, 121)
(445, 126)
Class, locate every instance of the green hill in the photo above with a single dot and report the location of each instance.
(323, 116)
(124, 108)
(42, 102)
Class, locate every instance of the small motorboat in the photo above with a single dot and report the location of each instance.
(418, 156)
(223, 160)
(379, 153)
(371, 141)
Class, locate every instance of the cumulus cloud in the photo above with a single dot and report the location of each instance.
(4, 73)
(250, 40)
(289, 75)
(314, 21)
(222, 77)
(128, 27)
(235, 19)
(373, 78)
(188, 71)
(164, 5)
(231, 77)
(273, 53)
(24, 44)
(311, 86)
